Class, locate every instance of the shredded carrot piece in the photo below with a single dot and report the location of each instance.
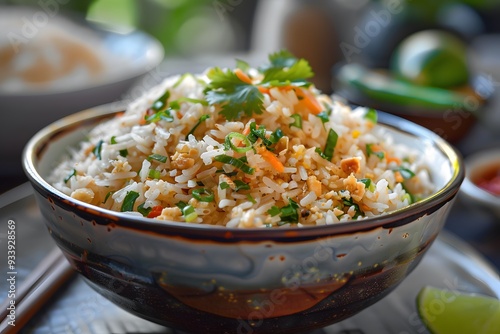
(243, 76)
(365, 207)
(399, 178)
(393, 159)
(264, 90)
(273, 161)
(308, 100)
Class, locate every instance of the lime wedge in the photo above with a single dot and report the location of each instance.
(446, 311)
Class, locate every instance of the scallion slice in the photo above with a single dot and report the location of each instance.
(228, 143)
(129, 201)
(203, 195)
(371, 115)
(331, 142)
(234, 162)
(154, 174)
(143, 211)
(157, 157)
(97, 149)
(405, 172)
(73, 173)
(297, 121)
(370, 151)
(202, 119)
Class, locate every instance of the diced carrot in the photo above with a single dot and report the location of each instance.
(264, 90)
(308, 100)
(365, 207)
(390, 159)
(155, 211)
(273, 161)
(243, 76)
(399, 178)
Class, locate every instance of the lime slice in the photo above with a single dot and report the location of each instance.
(446, 311)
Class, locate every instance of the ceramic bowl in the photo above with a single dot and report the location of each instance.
(477, 164)
(28, 108)
(207, 279)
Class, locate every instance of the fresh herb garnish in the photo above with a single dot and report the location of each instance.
(234, 162)
(251, 199)
(357, 210)
(97, 149)
(297, 121)
(285, 69)
(188, 212)
(371, 115)
(144, 211)
(202, 119)
(224, 185)
(164, 115)
(228, 143)
(129, 201)
(288, 213)
(324, 116)
(123, 152)
(242, 65)
(70, 175)
(370, 151)
(154, 174)
(203, 195)
(162, 102)
(107, 196)
(368, 184)
(405, 172)
(157, 157)
(240, 185)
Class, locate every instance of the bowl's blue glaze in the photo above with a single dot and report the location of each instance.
(213, 280)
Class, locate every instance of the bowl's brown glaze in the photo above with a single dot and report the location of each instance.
(206, 279)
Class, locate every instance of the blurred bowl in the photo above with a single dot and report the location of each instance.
(478, 166)
(449, 113)
(26, 108)
(209, 279)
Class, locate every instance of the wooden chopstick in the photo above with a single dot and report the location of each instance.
(35, 290)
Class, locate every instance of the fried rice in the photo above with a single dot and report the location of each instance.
(302, 159)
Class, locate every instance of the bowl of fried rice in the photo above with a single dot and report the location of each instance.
(242, 200)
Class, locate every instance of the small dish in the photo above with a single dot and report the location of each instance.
(479, 165)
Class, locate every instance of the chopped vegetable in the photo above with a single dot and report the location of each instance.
(235, 162)
(374, 149)
(405, 172)
(251, 199)
(324, 116)
(240, 185)
(129, 201)
(162, 102)
(202, 119)
(157, 157)
(285, 68)
(228, 144)
(371, 115)
(164, 115)
(274, 211)
(368, 184)
(350, 202)
(107, 196)
(203, 195)
(273, 160)
(144, 211)
(97, 149)
(331, 142)
(70, 175)
(123, 152)
(289, 213)
(297, 121)
(188, 212)
(224, 185)
(154, 174)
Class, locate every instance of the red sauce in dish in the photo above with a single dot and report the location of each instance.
(489, 180)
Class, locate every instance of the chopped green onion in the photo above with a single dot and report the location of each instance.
(224, 172)
(371, 115)
(405, 172)
(297, 121)
(162, 101)
(203, 195)
(202, 119)
(331, 142)
(289, 213)
(187, 211)
(97, 149)
(240, 185)
(107, 196)
(276, 136)
(251, 199)
(369, 152)
(157, 157)
(368, 184)
(123, 152)
(154, 174)
(129, 201)
(143, 211)
(234, 162)
(318, 150)
(73, 173)
(164, 115)
(224, 185)
(228, 143)
(256, 133)
(324, 116)
(357, 210)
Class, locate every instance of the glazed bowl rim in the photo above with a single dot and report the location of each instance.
(41, 140)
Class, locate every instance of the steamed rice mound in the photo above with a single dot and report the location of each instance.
(163, 160)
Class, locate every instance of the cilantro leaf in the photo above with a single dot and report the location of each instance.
(285, 68)
(234, 95)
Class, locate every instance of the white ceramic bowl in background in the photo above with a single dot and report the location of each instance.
(127, 56)
(475, 165)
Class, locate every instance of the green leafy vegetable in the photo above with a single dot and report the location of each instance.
(143, 211)
(285, 68)
(331, 142)
(129, 201)
(162, 102)
(290, 213)
(251, 199)
(371, 115)
(297, 121)
(242, 65)
(350, 202)
(224, 185)
(274, 211)
(164, 115)
(368, 184)
(234, 95)
(97, 149)
(188, 212)
(324, 116)
(405, 172)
